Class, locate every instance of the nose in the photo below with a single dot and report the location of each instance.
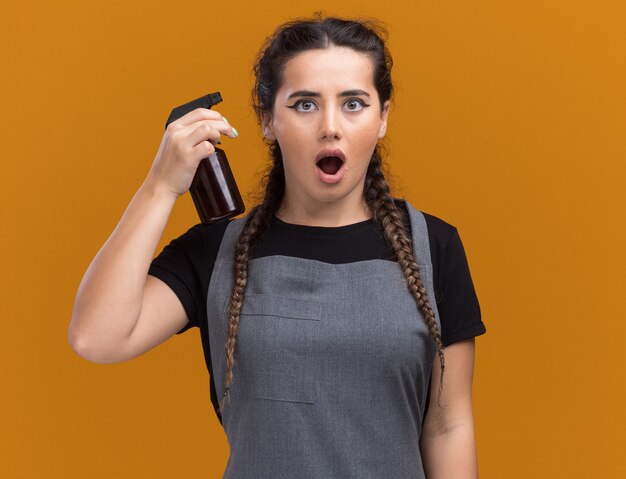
(330, 127)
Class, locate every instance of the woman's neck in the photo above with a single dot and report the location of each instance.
(328, 214)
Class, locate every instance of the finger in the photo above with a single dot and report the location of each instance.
(205, 131)
(197, 115)
(223, 126)
(203, 150)
(211, 131)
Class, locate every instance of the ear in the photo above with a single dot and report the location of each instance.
(383, 119)
(266, 126)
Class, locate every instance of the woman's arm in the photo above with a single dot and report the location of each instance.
(447, 443)
(113, 294)
(120, 311)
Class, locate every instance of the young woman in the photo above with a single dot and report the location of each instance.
(324, 311)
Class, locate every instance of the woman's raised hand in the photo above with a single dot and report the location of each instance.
(185, 143)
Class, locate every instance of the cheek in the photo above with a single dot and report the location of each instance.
(365, 142)
(296, 149)
(290, 133)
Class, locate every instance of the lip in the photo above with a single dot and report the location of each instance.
(331, 152)
(337, 177)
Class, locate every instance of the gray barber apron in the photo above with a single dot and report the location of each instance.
(332, 365)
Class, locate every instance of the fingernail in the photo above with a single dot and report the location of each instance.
(235, 132)
(225, 119)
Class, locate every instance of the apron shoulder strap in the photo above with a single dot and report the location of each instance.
(421, 244)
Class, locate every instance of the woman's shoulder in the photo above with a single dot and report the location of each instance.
(440, 231)
(208, 232)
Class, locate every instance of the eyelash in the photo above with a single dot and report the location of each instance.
(294, 106)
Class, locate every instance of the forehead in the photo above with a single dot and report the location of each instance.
(331, 68)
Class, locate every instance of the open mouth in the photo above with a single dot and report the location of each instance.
(330, 164)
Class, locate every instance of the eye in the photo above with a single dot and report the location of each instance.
(355, 101)
(303, 103)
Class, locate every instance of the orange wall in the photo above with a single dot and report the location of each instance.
(509, 122)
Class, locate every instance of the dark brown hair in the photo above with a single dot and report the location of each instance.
(287, 41)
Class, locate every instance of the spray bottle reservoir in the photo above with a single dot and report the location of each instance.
(213, 189)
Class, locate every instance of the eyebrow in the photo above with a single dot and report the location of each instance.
(309, 93)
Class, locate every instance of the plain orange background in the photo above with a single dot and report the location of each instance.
(509, 122)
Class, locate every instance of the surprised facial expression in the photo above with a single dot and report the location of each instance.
(327, 105)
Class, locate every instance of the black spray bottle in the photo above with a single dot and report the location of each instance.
(213, 188)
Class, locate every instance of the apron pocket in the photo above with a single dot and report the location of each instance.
(276, 347)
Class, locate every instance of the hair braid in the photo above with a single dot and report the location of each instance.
(378, 198)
